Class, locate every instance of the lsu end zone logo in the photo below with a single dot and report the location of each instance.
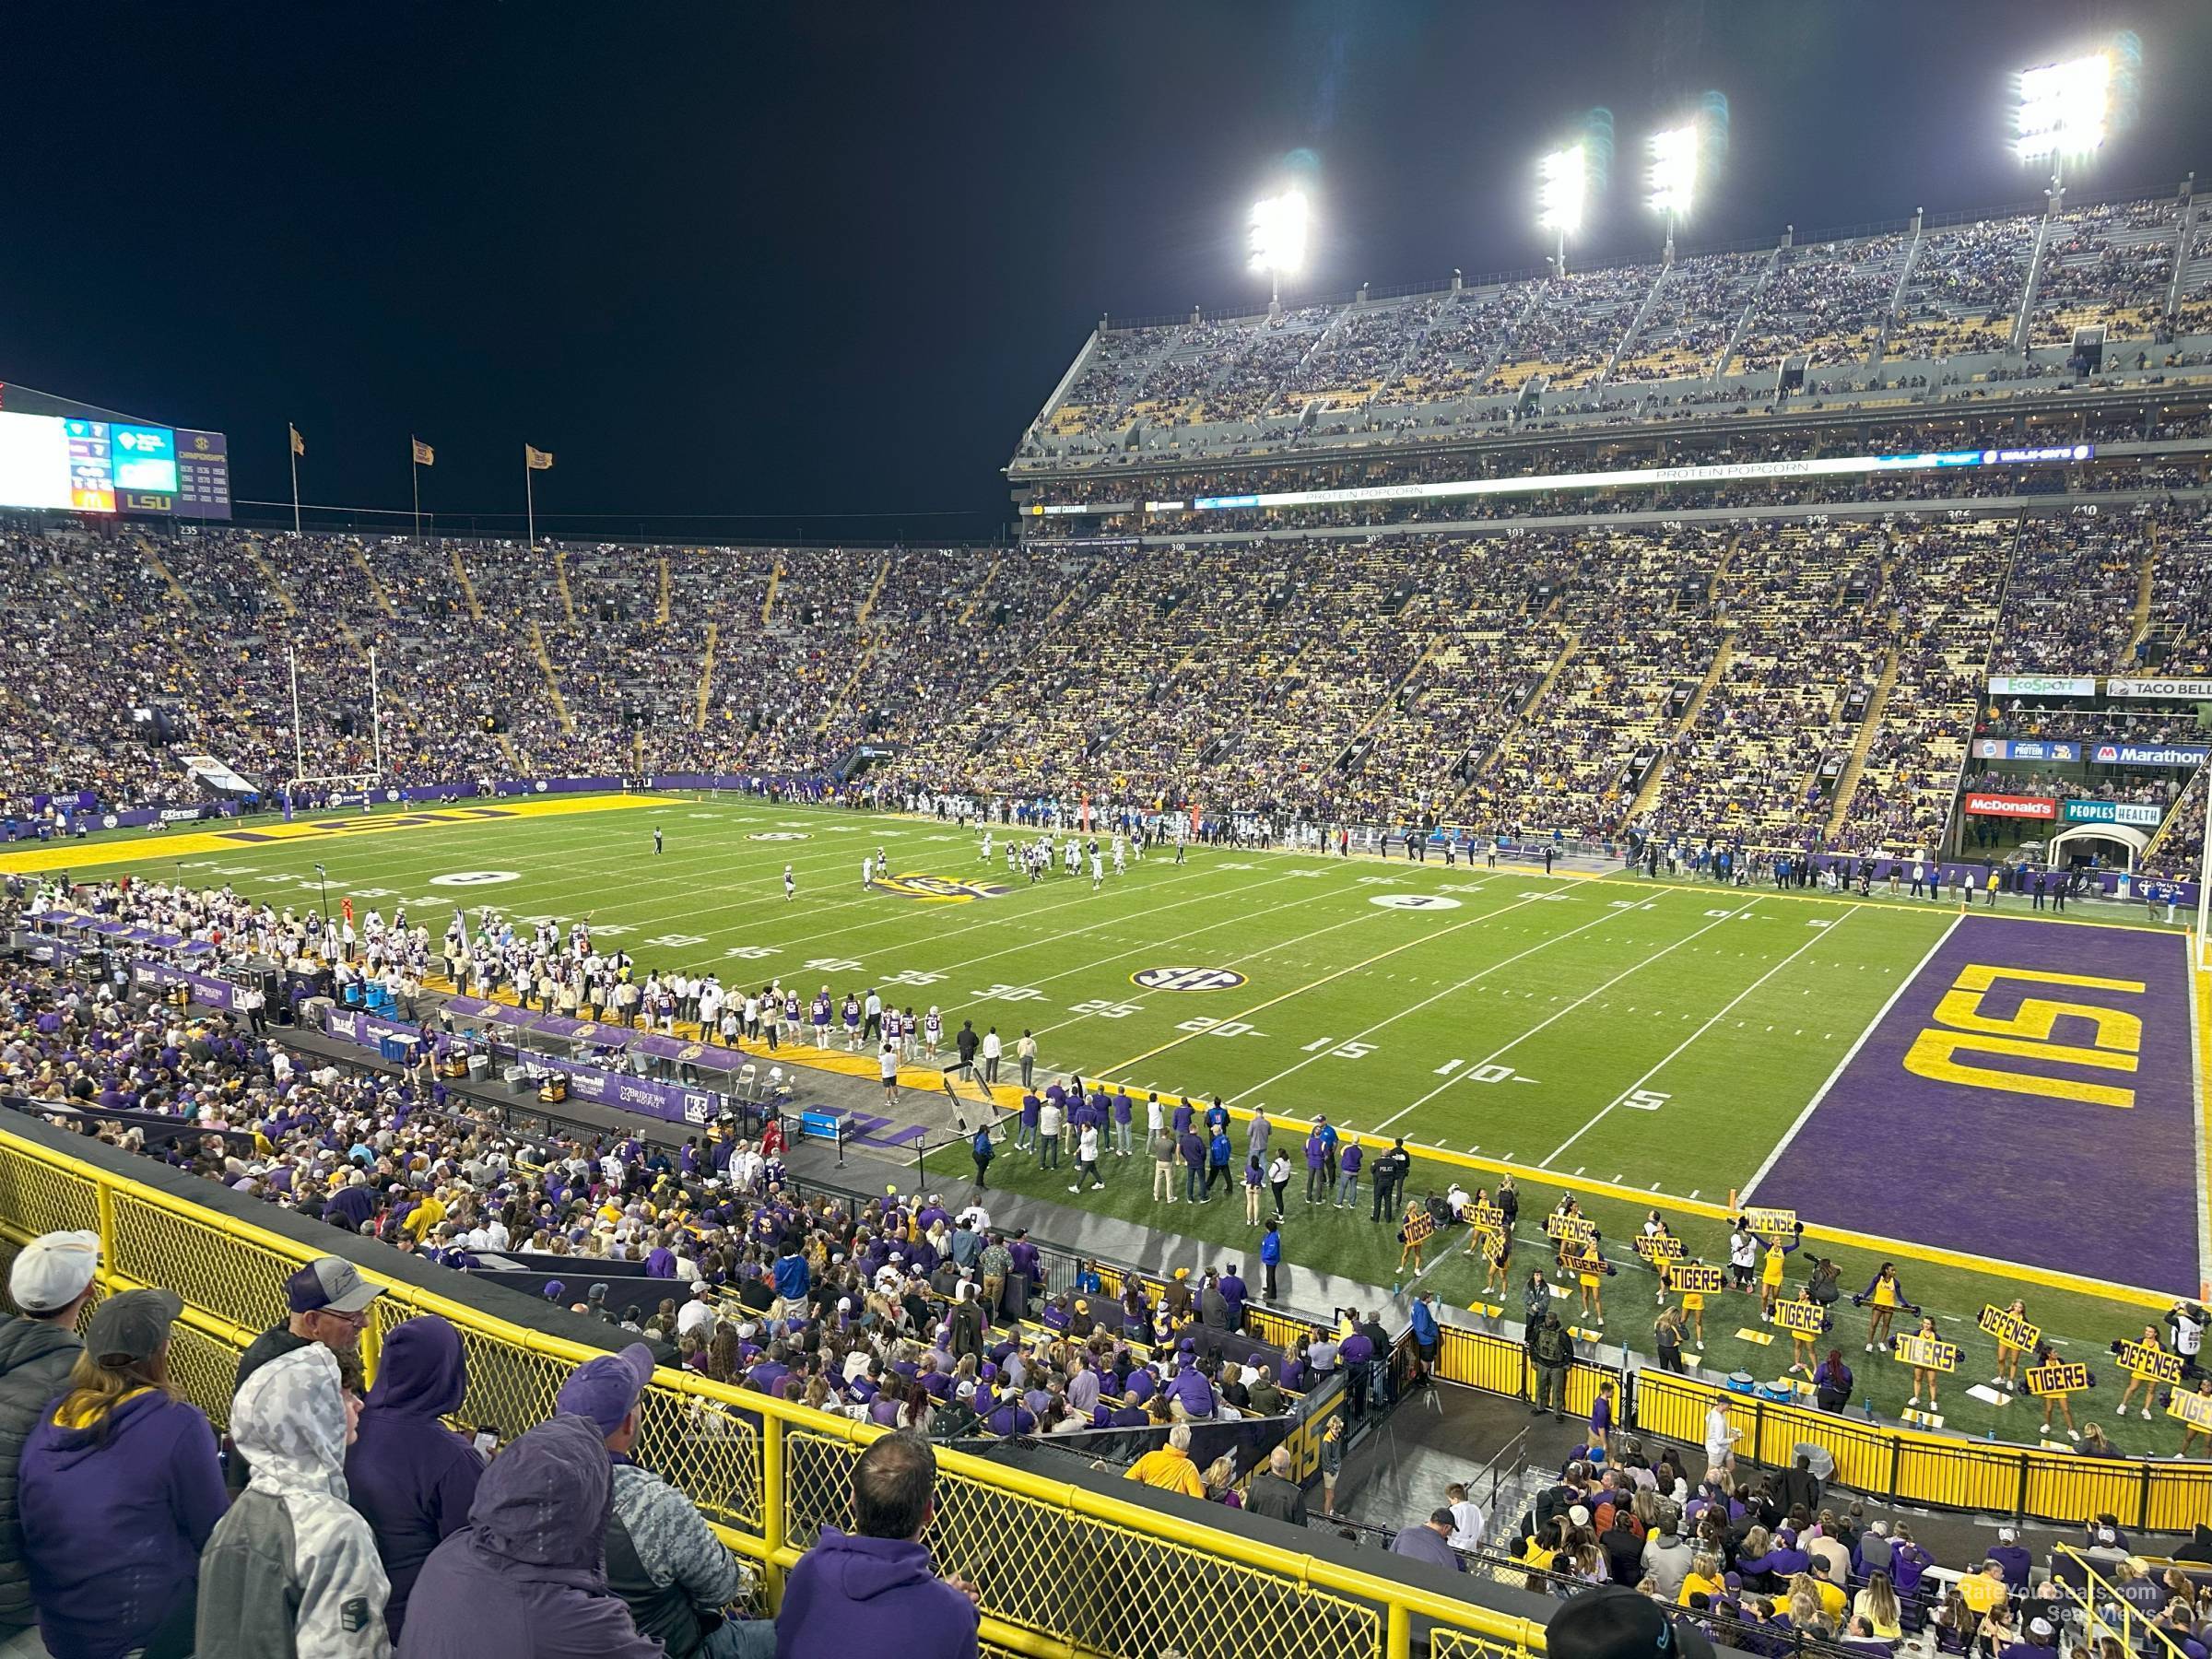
(1187, 979)
(944, 889)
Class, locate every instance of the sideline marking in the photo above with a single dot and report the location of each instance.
(1693, 1037)
(1851, 1053)
(60, 855)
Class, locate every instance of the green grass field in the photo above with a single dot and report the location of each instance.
(1656, 1038)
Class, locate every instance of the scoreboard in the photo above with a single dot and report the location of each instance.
(76, 464)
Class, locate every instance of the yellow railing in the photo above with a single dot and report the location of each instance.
(1063, 1570)
(1910, 1466)
(2105, 1612)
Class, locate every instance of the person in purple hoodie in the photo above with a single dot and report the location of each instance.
(118, 1489)
(876, 1590)
(411, 1477)
(526, 1579)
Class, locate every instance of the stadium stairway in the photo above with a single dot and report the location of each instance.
(706, 674)
(2139, 618)
(545, 666)
(268, 574)
(661, 607)
(1648, 791)
(561, 584)
(1848, 783)
(469, 588)
(369, 579)
(169, 580)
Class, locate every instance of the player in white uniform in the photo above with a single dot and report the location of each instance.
(1098, 867)
(791, 884)
(986, 858)
(1075, 856)
(867, 870)
(1119, 859)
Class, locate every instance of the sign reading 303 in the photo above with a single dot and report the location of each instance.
(1963, 1027)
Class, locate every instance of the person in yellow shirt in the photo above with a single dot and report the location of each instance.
(1883, 1297)
(2150, 1386)
(1703, 1577)
(1831, 1594)
(1983, 1590)
(424, 1216)
(1769, 1275)
(1170, 1467)
(2009, 1357)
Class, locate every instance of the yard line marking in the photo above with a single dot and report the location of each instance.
(1851, 1053)
(1315, 984)
(1606, 1111)
(1416, 1007)
(1507, 1048)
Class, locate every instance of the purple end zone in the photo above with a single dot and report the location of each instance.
(2079, 1186)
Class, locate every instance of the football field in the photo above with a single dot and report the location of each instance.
(2003, 1105)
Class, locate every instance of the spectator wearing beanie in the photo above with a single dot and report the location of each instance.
(118, 1489)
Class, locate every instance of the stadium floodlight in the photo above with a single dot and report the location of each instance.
(2062, 110)
(1562, 185)
(1673, 175)
(1275, 235)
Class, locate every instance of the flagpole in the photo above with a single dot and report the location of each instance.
(291, 446)
(415, 478)
(529, 495)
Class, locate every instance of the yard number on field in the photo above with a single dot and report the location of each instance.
(1343, 1050)
(1488, 1073)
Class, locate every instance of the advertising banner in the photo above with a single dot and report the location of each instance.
(2105, 752)
(2140, 813)
(2013, 807)
(2025, 748)
(2042, 685)
(2169, 690)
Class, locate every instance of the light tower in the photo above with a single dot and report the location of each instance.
(2059, 115)
(1562, 186)
(1275, 237)
(1673, 176)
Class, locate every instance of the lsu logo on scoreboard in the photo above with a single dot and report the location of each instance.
(1969, 1022)
(1187, 979)
(943, 890)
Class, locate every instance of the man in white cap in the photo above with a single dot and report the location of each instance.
(51, 1282)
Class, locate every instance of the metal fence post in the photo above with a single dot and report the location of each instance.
(771, 1504)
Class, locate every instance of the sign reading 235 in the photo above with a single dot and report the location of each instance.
(1963, 1027)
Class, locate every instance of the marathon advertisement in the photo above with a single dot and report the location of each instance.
(2042, 685)
(2140, 813)
(2168, 691)
(2010, 806)
(2145, 754)
(2025, 748)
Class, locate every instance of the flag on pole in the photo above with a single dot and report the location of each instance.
(537, 460)
(424, 454)
(299, 443)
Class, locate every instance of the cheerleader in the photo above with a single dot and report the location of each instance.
(1803, 1354)
(1920, 1373)
(1884, 1295)
(2008, 1356)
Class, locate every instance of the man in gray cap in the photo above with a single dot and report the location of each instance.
(662, 1557)
(329, 1301)
(51, 1282)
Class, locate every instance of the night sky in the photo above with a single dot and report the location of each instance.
(819, 264)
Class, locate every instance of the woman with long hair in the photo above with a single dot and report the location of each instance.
(1878, 1605)
(119, 1488)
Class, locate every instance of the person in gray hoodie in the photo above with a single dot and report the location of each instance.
(1666, 1555)
(291, 1572)
(50, 1281)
